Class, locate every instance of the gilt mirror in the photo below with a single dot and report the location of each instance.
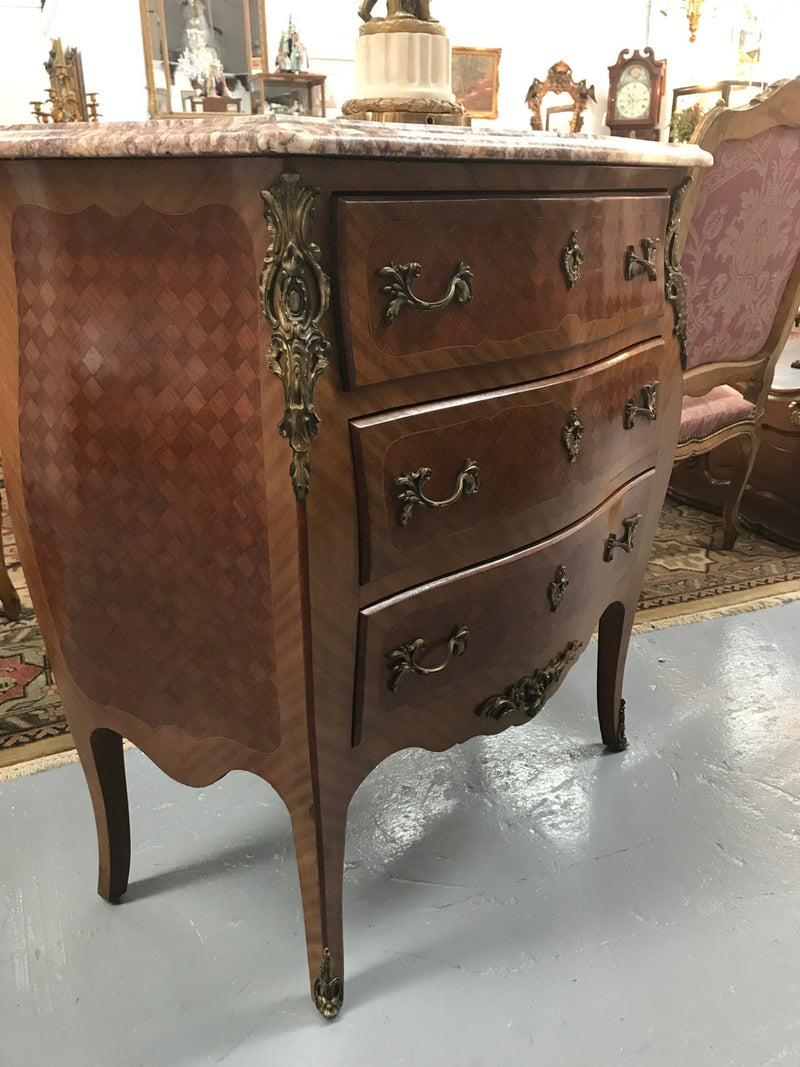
(557, 87)
(200, 55)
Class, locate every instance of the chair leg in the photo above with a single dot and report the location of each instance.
(320, 861)
(103, 763)
(748, 445)
(613, 636)
(8, 594)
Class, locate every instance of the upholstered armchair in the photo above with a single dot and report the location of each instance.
(741, 257)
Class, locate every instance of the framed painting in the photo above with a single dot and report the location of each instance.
(476, 79)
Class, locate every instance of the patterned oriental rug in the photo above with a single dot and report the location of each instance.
(31, 718)
(686, 580)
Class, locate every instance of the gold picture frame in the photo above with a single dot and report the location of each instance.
(476, 80)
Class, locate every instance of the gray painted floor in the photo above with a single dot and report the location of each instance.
(526, 899)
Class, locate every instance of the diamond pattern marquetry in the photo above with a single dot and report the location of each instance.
(140, 436)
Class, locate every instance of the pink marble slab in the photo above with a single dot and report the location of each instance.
(243, 135)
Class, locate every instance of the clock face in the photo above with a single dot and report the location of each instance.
(633, 94)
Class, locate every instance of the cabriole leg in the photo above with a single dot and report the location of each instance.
(614, 635)
(103, 764)
(320, 861)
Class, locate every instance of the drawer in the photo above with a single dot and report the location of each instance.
(449, 650)
(517, 299)
(782, 413)
(501, 472)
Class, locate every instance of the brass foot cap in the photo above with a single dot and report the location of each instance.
(328, 989)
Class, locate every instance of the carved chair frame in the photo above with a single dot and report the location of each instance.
(777, 106)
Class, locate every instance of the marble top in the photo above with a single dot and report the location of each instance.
(245, 135)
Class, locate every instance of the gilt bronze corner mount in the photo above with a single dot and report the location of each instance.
(295, 294)
(674, 279)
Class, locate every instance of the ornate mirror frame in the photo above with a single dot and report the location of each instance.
(559, 80)
(153, 11)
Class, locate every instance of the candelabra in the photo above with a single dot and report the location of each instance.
(65, 95)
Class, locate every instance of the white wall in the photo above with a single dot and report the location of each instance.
(586, 34)
(108, 35)
(23, 51)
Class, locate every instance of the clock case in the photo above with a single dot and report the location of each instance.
(646, 127)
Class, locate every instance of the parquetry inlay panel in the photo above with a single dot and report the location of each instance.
(141, 446)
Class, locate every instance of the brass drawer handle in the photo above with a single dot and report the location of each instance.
(794, 412)
(647, 261)
(409, 489)
(530, 694)
(401, 278)
(647, 409)
(571, 435)
(403, 659)
(571, 259)
(555, 590)
(626, 541)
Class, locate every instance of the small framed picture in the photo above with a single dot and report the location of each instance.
(476, 79)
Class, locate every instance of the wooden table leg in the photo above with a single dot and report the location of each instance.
(613, 637)
(103, 764)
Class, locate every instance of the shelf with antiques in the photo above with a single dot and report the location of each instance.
(291, 89)
(290, 93)
(379, 498)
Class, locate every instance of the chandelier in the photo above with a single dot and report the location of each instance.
(692, 9)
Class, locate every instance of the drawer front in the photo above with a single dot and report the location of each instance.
(501, 261)
(506, 468)
(782, 412)
(449, 650)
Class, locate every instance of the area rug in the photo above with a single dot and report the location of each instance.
(31, 718)
(686, 580)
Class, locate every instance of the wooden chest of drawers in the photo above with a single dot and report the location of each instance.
(403, 525)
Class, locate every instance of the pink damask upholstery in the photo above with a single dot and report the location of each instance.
(704, 415)
(742, 245)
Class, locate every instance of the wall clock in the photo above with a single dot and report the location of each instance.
(635, 89)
